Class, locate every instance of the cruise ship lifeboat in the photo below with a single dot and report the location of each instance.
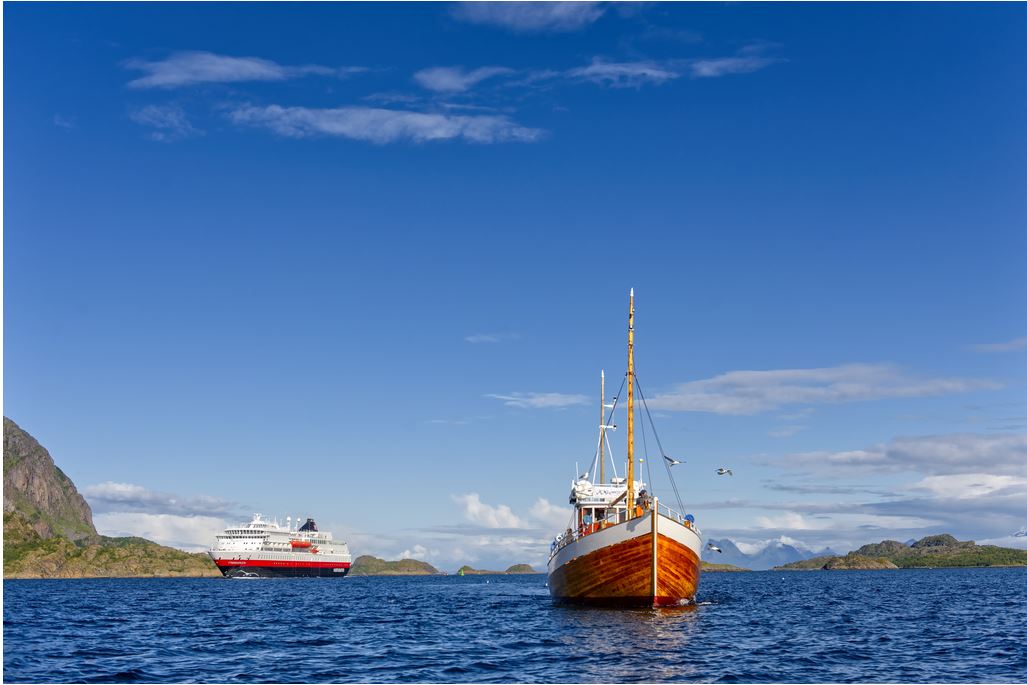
(300, 543)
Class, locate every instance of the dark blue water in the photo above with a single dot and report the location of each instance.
(885, 626)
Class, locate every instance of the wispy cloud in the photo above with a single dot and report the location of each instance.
(128, 497)
(623, 74)
(540, 400)
(956, 453)
(383, 125)
(723, 66)
(190, 533)
(456, 79)
(531, 17)
(478, 338)
(1008, 346)
(63, 121)
(542, 513)
(638, 73)
(169, 122)
(193, 67)
(477, 512)
(185, 522)
(752, 392)
(785, 431)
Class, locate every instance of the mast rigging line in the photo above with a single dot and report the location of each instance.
(602, 430)
(681, 506)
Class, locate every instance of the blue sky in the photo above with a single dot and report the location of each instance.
(365, 263)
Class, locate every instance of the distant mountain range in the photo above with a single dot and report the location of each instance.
(775, 553)
(933, 551)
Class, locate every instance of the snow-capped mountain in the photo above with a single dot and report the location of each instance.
(760, 556)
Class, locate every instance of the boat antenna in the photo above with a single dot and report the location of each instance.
(631, 406)
(602, 425)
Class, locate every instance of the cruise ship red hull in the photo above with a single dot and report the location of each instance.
(261, 568)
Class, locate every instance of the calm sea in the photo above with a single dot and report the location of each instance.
(907, 626)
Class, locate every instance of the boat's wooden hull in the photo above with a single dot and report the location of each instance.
(621, 572)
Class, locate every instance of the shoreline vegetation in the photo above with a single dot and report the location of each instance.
(710, 567)
(49, 533)
(933, 551)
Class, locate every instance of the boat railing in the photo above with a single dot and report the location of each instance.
(675, 515)
(618, 516)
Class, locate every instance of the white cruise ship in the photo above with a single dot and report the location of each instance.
(265, 549)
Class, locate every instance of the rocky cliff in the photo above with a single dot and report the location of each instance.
(39, 492)
(48, 526)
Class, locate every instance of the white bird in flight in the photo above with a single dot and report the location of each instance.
(712, 546)
(671, 462)
(724, 472)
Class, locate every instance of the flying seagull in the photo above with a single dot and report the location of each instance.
(710, 545)
(671, 462)
(724, 472)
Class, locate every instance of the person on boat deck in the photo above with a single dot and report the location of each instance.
(643, 499)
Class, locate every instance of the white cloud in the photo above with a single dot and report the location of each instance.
(530, 17)
(1006, 541)
(785, 431)
(623, 74)
(456, 79)
(722, 66)
(63, 122)
(111, 496)
(383, 125)
(760, 545)
(970, 485)
(189, 68)
(1008, 346)
(477, 512)
(169, 121)
(752, 392)
(794, 521)
(551, 516)
(540, 400)
(191, 533)
(955, 453)
(419, 552)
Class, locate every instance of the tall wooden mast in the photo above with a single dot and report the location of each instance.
(631, 406)
(602, 426)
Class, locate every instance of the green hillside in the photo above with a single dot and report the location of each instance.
(28, 555)
(708, 567)
(521, 568)
(367, 565)
(48, 526)
(933, 551)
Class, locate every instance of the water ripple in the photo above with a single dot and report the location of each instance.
(944, 625)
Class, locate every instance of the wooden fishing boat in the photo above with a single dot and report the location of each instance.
(623, 546)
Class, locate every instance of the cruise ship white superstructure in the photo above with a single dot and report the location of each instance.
(265, 549)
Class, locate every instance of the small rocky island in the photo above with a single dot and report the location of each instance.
(48, 526)
(710, 567)
(368, 565)
(516, 569)
(933, 551)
